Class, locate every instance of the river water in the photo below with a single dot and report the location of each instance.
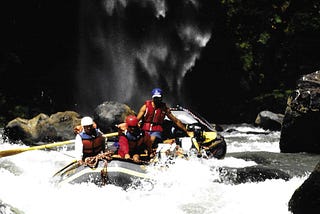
(188, 187)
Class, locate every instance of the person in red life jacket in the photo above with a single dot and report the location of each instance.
(133, 142)
(152, 115)
(89, 141)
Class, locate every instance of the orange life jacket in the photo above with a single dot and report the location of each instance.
(154, 117)
(92, 145)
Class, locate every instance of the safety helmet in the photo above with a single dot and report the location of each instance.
(156, 92)
(132, 120)
(86, 121)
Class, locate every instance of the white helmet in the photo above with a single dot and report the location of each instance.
(86, 121)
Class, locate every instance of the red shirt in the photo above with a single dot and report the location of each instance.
(123, 146)
(134, 147)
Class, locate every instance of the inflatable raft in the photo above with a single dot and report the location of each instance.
(206, 143)
(119, 172)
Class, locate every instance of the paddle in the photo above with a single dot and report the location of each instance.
(70, 164)
(9, 152)
(195, 143)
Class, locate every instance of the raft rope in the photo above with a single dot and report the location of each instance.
(93, 162)
(104, 173)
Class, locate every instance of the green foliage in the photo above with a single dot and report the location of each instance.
(274, 101)
(264, 38)
(247, 60)
(275, 94)
(264, 34)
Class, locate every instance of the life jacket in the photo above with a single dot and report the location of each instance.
(92, 145)
(139, 143)
(154, 117)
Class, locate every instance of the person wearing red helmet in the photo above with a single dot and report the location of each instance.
(152, 114)
(133, 142)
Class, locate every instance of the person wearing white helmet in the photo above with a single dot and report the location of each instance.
(152, 114)
(89, 141)
(86, 121)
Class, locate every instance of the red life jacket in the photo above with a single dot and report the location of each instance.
(138, 145)
(154, 117)
(92, 145)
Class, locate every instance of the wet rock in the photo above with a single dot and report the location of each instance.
(110, 113)
(269, 120)
(252, 174)
(300, 127)
(306, 199)
(282, 163)
(42, 128)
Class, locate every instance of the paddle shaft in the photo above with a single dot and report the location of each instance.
(9, 152)
(73, 162)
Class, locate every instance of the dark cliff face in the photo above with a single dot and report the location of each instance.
(42, 53)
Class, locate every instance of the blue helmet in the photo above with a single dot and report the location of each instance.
(156, 92)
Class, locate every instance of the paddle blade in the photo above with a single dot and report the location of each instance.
(209, 136)
(195, 143)
(11, 152)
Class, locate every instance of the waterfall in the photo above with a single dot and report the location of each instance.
(128, 47)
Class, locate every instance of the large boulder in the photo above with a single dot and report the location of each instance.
(306, 199)
(269, 120)
(300, 130)
(110, 113)
(42, 128)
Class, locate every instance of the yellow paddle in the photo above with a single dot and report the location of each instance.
(9, 152)
(195, 143)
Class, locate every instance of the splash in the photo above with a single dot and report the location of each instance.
(128, 47)
(183, 187)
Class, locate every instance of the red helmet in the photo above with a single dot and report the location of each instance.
(132, 120)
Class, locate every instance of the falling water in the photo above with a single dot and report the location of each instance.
(128, 47)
